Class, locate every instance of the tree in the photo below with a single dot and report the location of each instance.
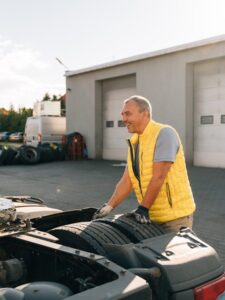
(14, 121)
(55, 98)
(46, 97)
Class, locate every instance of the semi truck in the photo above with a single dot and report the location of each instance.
(46, 253)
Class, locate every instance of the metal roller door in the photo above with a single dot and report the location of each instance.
(209, 113)
(114, 91)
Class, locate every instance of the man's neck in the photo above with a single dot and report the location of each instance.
(142, 129)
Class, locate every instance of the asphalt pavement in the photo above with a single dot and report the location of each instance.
(89, 183)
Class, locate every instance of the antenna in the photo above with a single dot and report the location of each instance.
(61, 63)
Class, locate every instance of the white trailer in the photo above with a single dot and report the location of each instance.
(47, 108)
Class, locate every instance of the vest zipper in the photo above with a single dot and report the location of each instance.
(133, 167)
(169, 195)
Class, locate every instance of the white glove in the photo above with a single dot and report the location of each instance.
(103, 211)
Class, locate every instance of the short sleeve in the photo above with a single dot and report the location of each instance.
(167, 145)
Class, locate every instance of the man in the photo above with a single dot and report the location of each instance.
(156, 171)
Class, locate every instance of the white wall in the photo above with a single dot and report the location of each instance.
(167, 80)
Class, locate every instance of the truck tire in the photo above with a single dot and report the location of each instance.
(103, 235)
(17, 159)
(75, 237)
(112, 233)
(135, 231)
(89, 236)
(29, 155)
(10, 155)
(3, 155)
(59, 153)
(46, 153)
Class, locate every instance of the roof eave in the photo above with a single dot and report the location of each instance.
(208, 41)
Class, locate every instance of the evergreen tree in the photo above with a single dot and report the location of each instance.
(14, 121)
(46, 97)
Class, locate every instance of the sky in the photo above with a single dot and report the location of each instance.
(85, 33)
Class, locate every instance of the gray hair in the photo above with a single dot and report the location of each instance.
(142, 102)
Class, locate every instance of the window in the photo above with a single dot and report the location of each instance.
(109, 123)
(204, 120)
(121, 123)
(222, 119)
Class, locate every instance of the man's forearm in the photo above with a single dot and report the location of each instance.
(120, 193)
(152, 192)
(122, 189)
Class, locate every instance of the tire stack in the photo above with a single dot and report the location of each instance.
(89, 236)
(93, 236)
(30, 155)
(8, 155)
(135, 231)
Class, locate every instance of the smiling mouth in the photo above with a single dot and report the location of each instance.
(129, 126)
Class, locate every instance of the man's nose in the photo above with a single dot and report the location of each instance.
(124, 118)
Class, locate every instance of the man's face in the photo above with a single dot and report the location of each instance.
(134, 120)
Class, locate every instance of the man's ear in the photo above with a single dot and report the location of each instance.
(146, 114)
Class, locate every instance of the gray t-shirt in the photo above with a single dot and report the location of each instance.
(166, 147)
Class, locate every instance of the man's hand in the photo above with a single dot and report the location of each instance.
(140, 214)
(103, 211)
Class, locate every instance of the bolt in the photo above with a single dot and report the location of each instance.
(123, 272)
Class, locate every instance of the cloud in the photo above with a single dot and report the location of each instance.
(24, 75)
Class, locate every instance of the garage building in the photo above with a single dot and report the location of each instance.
(185, 84)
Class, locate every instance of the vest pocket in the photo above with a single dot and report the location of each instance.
(169, 195)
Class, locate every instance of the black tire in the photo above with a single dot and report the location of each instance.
(112, 233)
(124, 226)
(17, 159)
(74, 237)
(89, 236)
(46, 154)
(52, 151)
(59, 153)
(99, 238)
(11, 154)
(135, 231)
(44, 145)
(3, 155)
(29, 155)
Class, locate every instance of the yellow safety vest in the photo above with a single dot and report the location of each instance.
(175, 199)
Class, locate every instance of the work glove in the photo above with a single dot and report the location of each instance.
(140, 214)
(103, 211)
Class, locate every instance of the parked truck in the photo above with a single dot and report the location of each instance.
(49, 254)
(44, 129)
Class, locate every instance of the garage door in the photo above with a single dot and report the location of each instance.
(209, 113)
(114, 91)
